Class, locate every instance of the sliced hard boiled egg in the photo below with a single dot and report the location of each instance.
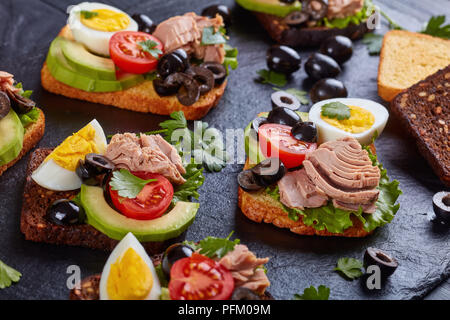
(57, 172)
(129, 273)
(366, 118)
(93, 25)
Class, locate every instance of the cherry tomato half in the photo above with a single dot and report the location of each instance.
(150, 203)
(275, 140)
(127, 53)
(200, 278)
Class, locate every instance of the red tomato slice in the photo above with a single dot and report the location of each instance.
(150, 203)
(128, 55)
(200, 278)
(275, 140)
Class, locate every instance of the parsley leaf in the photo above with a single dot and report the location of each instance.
(210, 37)
(301, 95)
(8, 275)
(88, 14)
(436, 28)
(350, 267)
(127, 184)
(194, 179)
(213, 247)
(336, 110)
(272, 77)
(373, 43)
(150, 46)
(311, 293)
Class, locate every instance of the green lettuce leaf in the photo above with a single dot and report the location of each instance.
(357, 18)
(230, 58)
(29, 117)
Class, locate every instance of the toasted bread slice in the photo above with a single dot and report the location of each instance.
(408, 57)
(140, 98)
(35, 227)
(33, 133)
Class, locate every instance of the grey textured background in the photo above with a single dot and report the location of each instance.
(26, 30)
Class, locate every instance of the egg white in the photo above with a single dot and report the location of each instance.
(129, 241)
(95, 40)
(52, 176)
(327, 132)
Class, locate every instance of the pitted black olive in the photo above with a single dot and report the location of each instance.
(166, 87)
(65, 213)
(283, 116)
(5, 105)
(203, 76)
(247, 181)
(257, 122)
(242, 293)
(320, 66)
(269, 171)
(386, 262)
(170, 63)
(20, 104)
(305, 131)
(98, 164)
(86, 176)
(316, 9)
(218, 70)
(340, 48)
(288, 1)
(220, 9)
(283, 59)
(283, 99)
(296, 18)
(327, 89)
(189, 91)
(182, 54)
(145, 24)
(174, 253)
(441, 206)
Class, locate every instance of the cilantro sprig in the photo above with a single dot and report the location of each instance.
(272, 77)
(213, 247)
(349, 267)
(8, 275)
(194, 179)
(311, 293)
(336, 110)
(151, 47)
(127, 184)
(88, 14)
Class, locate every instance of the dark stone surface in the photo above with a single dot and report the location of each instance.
(26, 30)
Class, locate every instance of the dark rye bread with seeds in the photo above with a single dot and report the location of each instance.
(424, 111)
(36, 227)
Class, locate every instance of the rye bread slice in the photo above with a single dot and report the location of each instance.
(36, 227)
(424, 111)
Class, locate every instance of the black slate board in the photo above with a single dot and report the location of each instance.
(26, 29)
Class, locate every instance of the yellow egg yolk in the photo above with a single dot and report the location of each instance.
(106, 20)
(360, 120)
(129, 278)
(74, 148)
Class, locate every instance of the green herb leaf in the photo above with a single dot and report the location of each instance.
(336, 110)
(350, 267)
(24, 93)
(8, 275)
(272, 77)
(373, 43)
(210, 37)
(194, 180)
(178, 122)
(311, 293)
(436, 28)
(88, 14)
(230, 57)
(213, 247)
(29, 117)
(127, 184)
(150, 46)
(301, 95)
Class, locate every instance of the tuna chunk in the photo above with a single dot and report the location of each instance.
(343, 8)
(7, 82)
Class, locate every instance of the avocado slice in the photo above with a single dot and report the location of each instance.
(274, 7)
(116, 226)
(11, 137)
(62, 71)
(87, 63)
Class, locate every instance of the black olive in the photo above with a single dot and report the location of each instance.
(283, 116)
(182, 54)
(170, 63)
(340, 48)
(296, 18)
(174, 253)
(242, 293)
(257, 122)
(20, 104)
(5, 105)
(86, 176)
(145, 24)
(166, 87)
(203, 76)
(247, 181)
(288, 1)
(268, 171)
(387, 263)
(218, 70)
(305, 131)
(441, 206)
(189, 91)
(316, 9)
(65, 213)
(283, 59)
(220, 9)
(283, 99)
(320, 66)
(327, 89)
(98, 164)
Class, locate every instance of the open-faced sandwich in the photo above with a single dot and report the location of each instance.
(105, 56)
(89, 193)
(22, 124)
(212, 269)
(317, 173)
(309, 22)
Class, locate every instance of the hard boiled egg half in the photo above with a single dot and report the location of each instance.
(129, 273)
(93, 25)
(57, 172)
(366, 119)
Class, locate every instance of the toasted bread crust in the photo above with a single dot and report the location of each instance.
(33, 133)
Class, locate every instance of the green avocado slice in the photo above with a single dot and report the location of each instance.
(11, 137)
(116, 226)
(274, 7)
